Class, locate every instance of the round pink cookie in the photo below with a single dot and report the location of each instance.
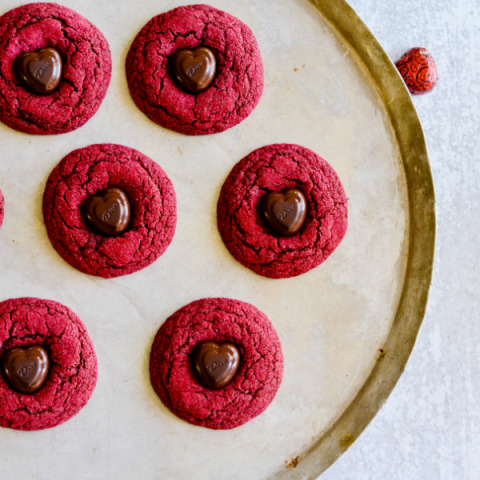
(218, 320)
(238, 83)
(2, 208)
(90, 170)
(73, 364)
(275, 168)
(86, 61)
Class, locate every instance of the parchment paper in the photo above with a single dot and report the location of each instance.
(331, 321)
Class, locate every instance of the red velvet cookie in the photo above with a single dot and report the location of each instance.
(237, 84)
(86, 173)
(218, 320)
(72, 375)
(85, 75)
(251, 240)
(2, 208)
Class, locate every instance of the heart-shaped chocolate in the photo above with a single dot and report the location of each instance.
(26, 369)
(216, 364)
(193, 70)
(40, 72)
(108, 211)
(284, 212)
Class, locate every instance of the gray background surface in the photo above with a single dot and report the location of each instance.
(430, 426)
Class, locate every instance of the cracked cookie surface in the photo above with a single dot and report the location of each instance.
(86, 68)
(238, 83)
(275, 168)
(88, 171)
(219, 320)
(73, 364)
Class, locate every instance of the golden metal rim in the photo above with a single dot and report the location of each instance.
(353, 33)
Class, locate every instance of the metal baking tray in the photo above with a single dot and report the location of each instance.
(347, 327)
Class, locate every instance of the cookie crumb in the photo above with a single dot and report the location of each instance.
(293, 462)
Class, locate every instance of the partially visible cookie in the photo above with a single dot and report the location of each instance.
(2, 208)
(219, 320)
(237, 84)
(90, 172)
(71, 379)
(277, 169)
(87, 65)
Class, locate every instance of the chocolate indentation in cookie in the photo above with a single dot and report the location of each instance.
(40, 72)
(216, 364)
(284, 212)
(26, 369)
(193, 70)
(108, 212)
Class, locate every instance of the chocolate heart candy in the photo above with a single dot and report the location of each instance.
(216, 364)
(193, 70)
(108, 211)
(40, 72)
(284, 212)
(26, 369)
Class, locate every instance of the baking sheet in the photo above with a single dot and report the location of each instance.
(332, 321)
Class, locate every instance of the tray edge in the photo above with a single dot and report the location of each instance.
(406, 127)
